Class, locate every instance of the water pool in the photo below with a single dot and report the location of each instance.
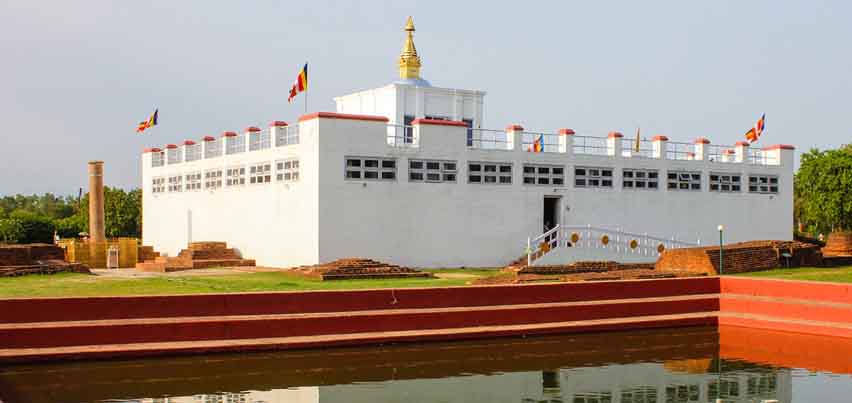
(686, 365)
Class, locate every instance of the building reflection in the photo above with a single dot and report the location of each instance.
(618, 383)
(665, 365)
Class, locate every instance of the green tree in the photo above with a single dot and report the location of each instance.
(11, 230)
(36, 228)
(122, 212)
(70, 227)
(823, 190)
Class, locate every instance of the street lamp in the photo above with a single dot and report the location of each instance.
(721, 248)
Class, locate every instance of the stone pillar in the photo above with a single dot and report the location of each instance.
(566, 141)
(514, 137)
(96, 201)
(660, 144)
(741, 152)
(702, 148)
(613, 144)
(277, 128)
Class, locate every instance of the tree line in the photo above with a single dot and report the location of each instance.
(822, 197)
(36, 218)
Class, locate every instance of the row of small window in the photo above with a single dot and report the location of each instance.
(591, 177)
(285, 171)
(675, 180)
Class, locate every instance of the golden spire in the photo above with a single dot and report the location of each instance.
(409, 62)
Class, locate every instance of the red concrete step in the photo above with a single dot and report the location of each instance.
(146, 330)
(812, 327)
(787, 308)
(23, 310)
(112, 350)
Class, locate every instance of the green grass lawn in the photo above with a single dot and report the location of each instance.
(73, 284)
(833, 274)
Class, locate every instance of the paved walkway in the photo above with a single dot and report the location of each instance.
(133, 273)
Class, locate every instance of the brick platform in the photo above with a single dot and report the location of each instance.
(740, 257)
(358, 268)
(18, 260)
(838, 244)
(199, 255)
(583, 271)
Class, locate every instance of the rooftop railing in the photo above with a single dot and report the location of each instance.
(286, 135)
(488, 139)
(548, 142)
(629, 148)
(680, 151)
(513, 138)
(590, 145)
(401, 136)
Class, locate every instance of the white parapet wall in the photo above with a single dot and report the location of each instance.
(367, 188)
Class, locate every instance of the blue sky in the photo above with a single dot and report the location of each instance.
(77, 76)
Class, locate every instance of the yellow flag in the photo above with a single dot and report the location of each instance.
(636, 146)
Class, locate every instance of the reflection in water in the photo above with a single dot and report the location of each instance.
(671, 366)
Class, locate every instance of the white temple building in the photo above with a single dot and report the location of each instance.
(406, 173)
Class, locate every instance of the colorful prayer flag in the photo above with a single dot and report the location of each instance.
(301, 84)
(753, 134)
(147, 124)
(538, 145)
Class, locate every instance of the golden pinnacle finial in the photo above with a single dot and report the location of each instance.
(409, 62)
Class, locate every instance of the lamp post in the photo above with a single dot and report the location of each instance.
(721, 248)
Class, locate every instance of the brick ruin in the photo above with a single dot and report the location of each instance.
(586, 271)
(839, 245)
(199, 255)
(740, 257)
(17, 260)
(358, 268)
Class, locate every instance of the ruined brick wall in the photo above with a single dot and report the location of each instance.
(685, 260)
(839, 244)
(740, 257)
(585, 267)
(19, 255)
(743, 260)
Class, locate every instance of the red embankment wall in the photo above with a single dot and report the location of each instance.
(423, 314)
(100, 308)
(791, 306)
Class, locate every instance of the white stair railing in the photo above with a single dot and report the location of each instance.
(610, 239)
(544, 243)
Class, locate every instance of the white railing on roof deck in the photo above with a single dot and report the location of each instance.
(286, 135)
(628, 148)
(488, 139)
(720, 153)
(680, 151)
(549, 142)
(590, 145)
(759, 157)
(401, 136)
